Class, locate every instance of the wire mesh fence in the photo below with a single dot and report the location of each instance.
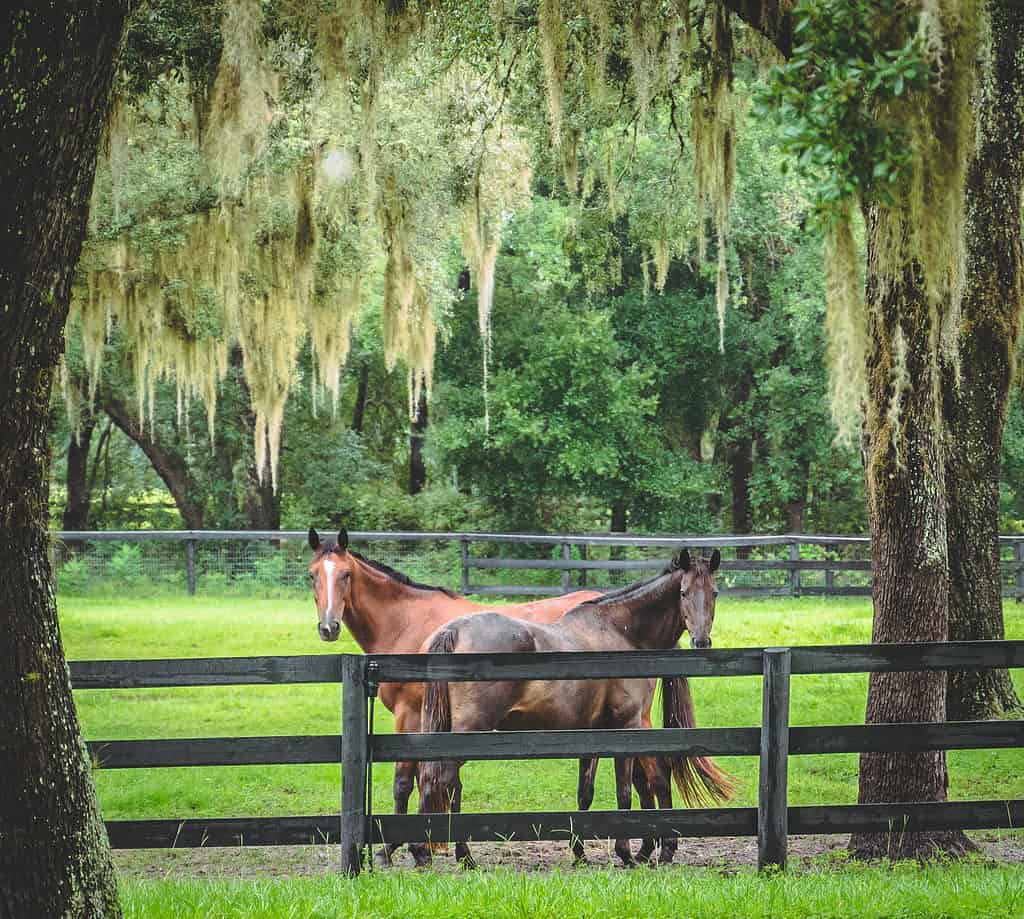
(270, 563)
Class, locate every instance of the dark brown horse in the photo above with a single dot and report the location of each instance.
(650, 615)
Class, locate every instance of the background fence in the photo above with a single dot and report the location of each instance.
(774, 741)
(212, 562)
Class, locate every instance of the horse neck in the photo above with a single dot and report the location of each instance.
(379, 608)
(649, 616)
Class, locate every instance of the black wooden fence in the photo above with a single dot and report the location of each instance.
(775, 741)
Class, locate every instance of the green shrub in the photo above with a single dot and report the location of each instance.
(73, 577)
(125, 566)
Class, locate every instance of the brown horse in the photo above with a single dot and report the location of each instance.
(388, 613)
(650, 615)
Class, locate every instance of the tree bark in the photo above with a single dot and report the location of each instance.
(79, 492)
(170, 465)
(740, 459)
(54, 855)
(417, 468)
(976, 393)
(906, 485)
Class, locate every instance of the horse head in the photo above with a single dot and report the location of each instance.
(330, 577)
(697, 593)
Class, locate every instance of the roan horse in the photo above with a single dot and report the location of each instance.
(387, 612)
(649, 615)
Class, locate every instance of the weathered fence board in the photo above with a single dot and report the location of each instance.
(205, 671)
(568, 665)
(227, 831)
(491, 745)
(902, 738)
(907, 818)
(484, 745)
(563, 825)
(215, 751)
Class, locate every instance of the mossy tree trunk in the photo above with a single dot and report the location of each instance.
(168, 463)
(59, 66)
(976, 396)
(906, 484)
(417, 435)
(79, 491)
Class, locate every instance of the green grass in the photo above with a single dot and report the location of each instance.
(97, 628)
(907, 892)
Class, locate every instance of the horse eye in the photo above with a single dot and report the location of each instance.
(714, 593)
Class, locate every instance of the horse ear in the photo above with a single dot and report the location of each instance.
(314, 539)
(342, 539)
(716, 558)
(682, 560)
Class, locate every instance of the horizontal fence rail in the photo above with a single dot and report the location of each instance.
(486, 564)
(774, 741)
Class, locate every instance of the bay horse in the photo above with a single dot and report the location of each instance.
(650, 615)
(387, 612)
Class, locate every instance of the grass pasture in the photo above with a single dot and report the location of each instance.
(906, 892)
(189, 883)
(96, 628)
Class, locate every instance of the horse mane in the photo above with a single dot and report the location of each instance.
(327, 547)
(623, 593)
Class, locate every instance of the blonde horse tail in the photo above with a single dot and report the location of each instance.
(699, 779)
(437, 718)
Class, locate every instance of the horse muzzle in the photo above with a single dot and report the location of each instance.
(329, 629)
(700, 644)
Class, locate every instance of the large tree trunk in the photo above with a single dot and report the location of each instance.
(79, 490)
(54, 855)
(905, 463)
(740, 459)
(975, 404)
(170, 465)
(417, 467)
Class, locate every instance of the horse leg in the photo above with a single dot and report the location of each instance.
(661, 783)
(643, 781)
(406, 708)
(439, 783)
(584, 798)
(405, 775)
(462, 854)
(624, 797)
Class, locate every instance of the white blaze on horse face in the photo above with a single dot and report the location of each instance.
(329, 570)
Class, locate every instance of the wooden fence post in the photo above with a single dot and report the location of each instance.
(464, 565)
(830, 575)
(566, 557)
(772, 815)
(354, 743)
(583, 571)
(190, 565)
(794, 572)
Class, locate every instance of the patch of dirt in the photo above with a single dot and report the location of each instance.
(725, 853)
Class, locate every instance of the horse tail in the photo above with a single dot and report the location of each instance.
(699, 779)
(437, 718)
